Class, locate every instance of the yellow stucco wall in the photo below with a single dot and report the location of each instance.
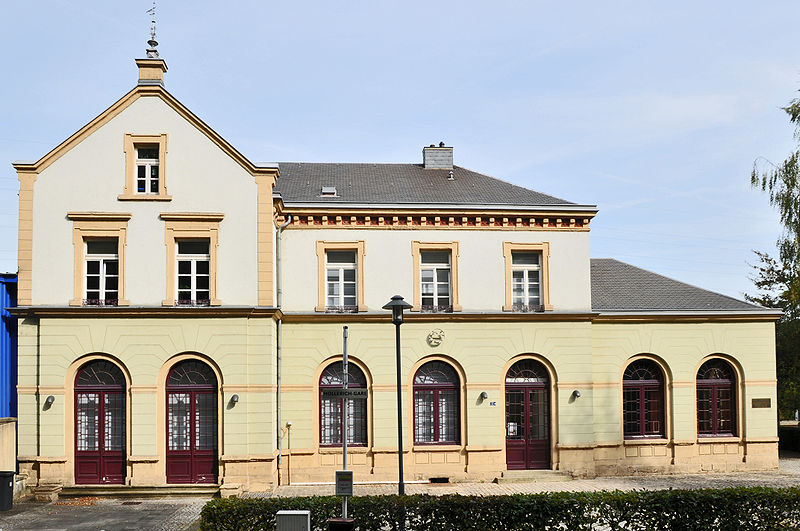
(241, 351)
(584, 356)
(586, 437)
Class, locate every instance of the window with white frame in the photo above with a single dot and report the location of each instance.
(526, 269)
(340, 281)
(193, 272)
(102, 272)
(435, 285)
(147, 169)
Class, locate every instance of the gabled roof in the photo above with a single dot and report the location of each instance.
(621, 287)
(123, 103)
(398, 184)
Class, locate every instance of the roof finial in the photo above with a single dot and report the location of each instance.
(152, 53)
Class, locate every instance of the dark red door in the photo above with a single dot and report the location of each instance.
(191, 424)
(527, 416)
(99, 424)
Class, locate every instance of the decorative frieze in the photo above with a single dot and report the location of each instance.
(431, 221)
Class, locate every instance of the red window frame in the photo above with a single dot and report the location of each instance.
(331, 378)
(441, 383)
(716, 380)
(643, 400)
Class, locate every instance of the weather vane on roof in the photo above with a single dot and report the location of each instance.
(152, 53)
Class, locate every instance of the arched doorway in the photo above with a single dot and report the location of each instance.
(191, 423)
(527, 416)
(99, 424)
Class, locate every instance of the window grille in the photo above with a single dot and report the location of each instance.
(643, 400)
(332, 409)
(437, 404)
(716, 399)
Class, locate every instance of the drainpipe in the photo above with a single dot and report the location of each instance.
(38, 397)
(278, 339)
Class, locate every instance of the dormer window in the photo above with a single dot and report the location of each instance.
(328, 191)
(147, 174)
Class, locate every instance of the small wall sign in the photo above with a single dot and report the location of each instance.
(762, 403)
(344, 482)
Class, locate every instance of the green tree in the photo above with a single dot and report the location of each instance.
(778, 280)
(782, 183)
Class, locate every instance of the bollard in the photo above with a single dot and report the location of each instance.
(7, 490)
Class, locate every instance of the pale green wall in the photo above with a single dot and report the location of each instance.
(584, 356)
(587, 357)
(242, 348)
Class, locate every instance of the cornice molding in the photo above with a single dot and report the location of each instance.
(111, 312)
(424, 218)
(192, 216)
(99, 216)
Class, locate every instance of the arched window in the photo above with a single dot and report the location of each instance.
(331, 409)
(99, 424)
(191, 423)
(643, 400)
(716, 399)
(436, 404)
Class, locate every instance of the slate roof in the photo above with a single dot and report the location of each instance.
(617, 286)
(364, 183)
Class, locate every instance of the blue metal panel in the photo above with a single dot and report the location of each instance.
(8, 346)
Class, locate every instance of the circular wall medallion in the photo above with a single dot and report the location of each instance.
(436, 337)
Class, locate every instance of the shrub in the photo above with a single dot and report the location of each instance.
(750, 508)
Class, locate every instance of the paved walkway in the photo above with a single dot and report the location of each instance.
(787, 476)
(175, 514)
(103, 514)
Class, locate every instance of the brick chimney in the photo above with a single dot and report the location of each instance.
(437, 157)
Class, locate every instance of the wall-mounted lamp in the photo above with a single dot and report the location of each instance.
(288, 423)
(576, 393)
(234, 399)
(484, 395)
(49, 400)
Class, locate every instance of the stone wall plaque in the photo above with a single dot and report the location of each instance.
(762, 403)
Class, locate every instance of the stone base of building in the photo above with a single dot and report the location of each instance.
(669, 457)
(586, 461)
(239, 474)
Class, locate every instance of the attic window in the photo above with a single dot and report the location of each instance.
(328, 191)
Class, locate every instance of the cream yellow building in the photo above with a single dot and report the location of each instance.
(181, 312)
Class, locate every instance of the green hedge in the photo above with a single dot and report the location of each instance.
(751, 508)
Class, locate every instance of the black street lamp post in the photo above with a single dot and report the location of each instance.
(397, 305)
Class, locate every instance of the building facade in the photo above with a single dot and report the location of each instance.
(181, 312)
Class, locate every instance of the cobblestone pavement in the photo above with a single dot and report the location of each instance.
(104, 514)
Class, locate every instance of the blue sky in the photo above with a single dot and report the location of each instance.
(653, 112)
